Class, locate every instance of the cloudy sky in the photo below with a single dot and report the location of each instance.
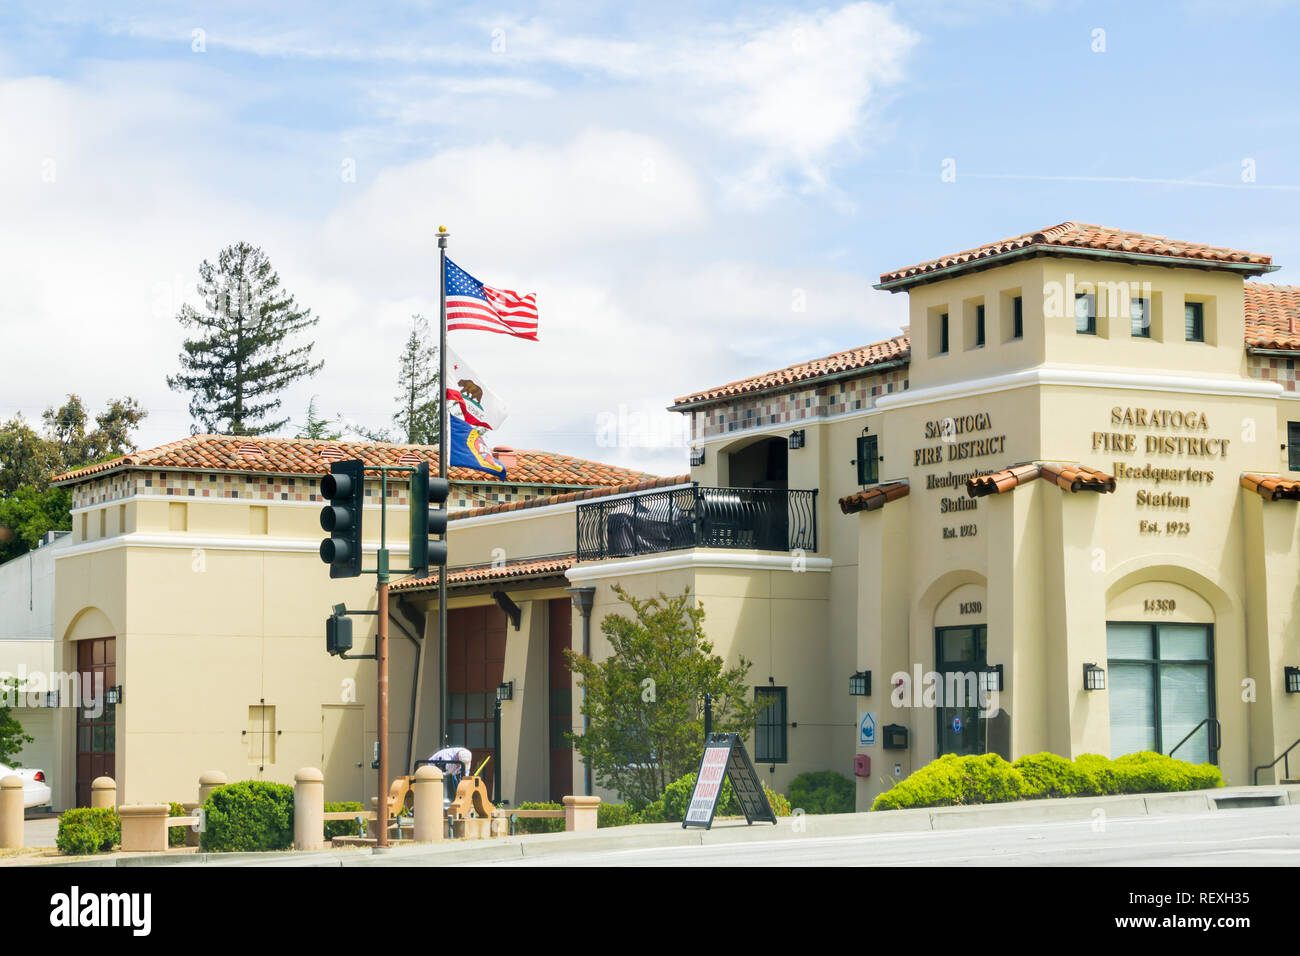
(671, 179)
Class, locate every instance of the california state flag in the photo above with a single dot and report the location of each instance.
(478, 405)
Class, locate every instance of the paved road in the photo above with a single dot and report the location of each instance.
(1268, 836)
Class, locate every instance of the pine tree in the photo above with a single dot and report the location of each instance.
(417, 417)
(317, 428)
(241, 360)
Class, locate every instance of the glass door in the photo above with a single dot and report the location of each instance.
(961, 655)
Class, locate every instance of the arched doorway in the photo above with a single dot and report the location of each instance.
(760, 464)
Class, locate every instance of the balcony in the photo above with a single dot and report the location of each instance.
(748, 519)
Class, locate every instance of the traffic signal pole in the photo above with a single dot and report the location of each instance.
(381, 658)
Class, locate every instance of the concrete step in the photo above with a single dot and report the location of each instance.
(1238, 801)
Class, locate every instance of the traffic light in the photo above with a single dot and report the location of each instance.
(427, 520)
(344, 487)
(338, 633)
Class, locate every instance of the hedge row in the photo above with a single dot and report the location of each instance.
(87, 830)
(987, 778)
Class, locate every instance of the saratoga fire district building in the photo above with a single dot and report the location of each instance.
(1069, 487)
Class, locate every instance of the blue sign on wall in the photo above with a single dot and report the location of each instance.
(866, 729)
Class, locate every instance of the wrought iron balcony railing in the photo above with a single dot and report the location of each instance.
(751, 519)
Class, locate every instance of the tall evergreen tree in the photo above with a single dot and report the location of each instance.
(242, 358)
(317, 428)
(417, 416)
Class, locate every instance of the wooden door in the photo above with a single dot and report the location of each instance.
(96, 727)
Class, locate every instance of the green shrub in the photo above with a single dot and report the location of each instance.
(1051, 775)
(678, 797)
(823, 791)
(540, 824)
(615, 815)
(339, 828)
(1147, 772)
(176, 835)
(84, 831)
(779, 804)
(250, 815)
(654, 813)
(1102, 770)
(956, 781)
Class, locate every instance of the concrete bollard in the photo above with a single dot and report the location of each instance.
(144, 827)
(11, 812)
(103, 793)
(208, 782)
(580, 813)
(308, 809)
(429, 826)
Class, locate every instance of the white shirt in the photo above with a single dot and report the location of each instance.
(459, 756)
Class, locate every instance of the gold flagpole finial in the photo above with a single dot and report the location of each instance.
(442, 228)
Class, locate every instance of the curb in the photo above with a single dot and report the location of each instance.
(654, 835)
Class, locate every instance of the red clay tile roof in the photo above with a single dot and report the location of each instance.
(1072, 478)
(1080, 238)
(487, 573)
(295, 456)
(1272, 316)
(897, 349)
(571, 496)
(873, 499)
(1271, 487)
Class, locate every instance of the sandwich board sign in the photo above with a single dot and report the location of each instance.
(725, 758)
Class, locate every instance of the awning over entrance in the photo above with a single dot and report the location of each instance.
(524, 569)
(1271, 487)
(873, 498)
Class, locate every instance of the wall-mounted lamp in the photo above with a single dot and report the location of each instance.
(113, 695)
(52, 698)
(1292, 679)
(992, 679)
(697, 457)
(860, 684)
(506, 691)
(796, 440)
(1094, 678)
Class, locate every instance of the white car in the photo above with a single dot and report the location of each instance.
(36, 790)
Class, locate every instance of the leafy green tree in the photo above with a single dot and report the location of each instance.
(645, 702)
(242, 358)
(317, 428)
(12, 738)
(29, 505)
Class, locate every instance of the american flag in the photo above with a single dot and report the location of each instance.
(472, 305)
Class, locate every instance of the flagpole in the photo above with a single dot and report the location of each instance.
(444, 704)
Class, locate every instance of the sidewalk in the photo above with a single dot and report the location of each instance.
(1081, 809)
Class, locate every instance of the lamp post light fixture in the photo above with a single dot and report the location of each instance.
(506, 691)
(697, 457)
(860, 684)
(1292, 679)
(1094, 678)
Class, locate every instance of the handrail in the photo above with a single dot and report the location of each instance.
(1286, 767)
(1216, 741)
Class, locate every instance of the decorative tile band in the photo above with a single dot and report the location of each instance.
(835, 398)
(270, 488)
(1270, 368)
